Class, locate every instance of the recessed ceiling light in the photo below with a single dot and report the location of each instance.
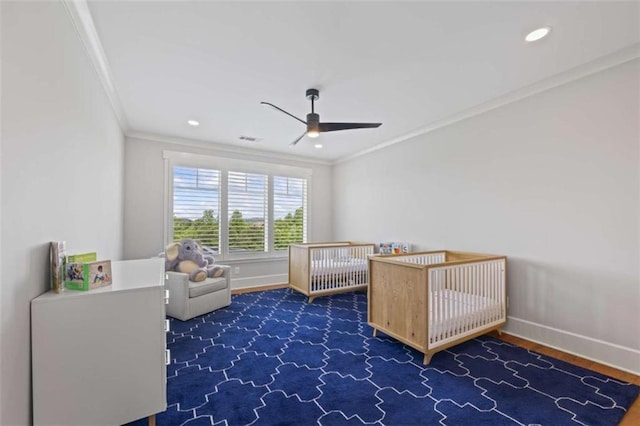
(318, 145)
(536, 35)
(193, 123)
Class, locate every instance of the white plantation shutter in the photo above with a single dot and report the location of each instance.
(196, 206)
(253, 213)
(248, 203)
(290, 211)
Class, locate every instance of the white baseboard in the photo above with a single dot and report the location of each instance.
(259, 281)
(606, 353)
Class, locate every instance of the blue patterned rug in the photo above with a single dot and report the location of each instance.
(272, 359)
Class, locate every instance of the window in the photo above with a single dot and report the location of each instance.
(289, 200)
(248, 200)
(243, 210)
(196, 206)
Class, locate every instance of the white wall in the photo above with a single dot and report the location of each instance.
(145, 192)
(551, 181)
(61, 173)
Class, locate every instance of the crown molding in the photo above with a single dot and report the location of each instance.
(576, 73)
(225, 148)
(83, 22)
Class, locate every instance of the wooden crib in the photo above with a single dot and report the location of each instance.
(318, 269)
(434, 300)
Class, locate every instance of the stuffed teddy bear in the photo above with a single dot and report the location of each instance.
(186, 256)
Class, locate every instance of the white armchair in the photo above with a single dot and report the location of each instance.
(188, 299)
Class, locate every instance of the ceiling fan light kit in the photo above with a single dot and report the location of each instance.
(314, 126)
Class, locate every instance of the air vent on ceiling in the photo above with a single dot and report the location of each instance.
(249, 138)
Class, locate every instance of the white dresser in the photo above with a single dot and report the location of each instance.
(98, 357)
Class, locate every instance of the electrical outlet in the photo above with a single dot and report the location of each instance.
(236, 270)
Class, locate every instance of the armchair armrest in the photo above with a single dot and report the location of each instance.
(226, 272)
(178, 285)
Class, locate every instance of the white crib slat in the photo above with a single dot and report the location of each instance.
(494, 287)
(332, 274)
(473, 281)
(491, 290)
(466, 288)
(473, 269)
(439, 303)
(485, 291)
(435, 303)
(432, 303)
(440, 294)
(331, 254)
(457, 314)
(497, 289)
(326, 270)
(442, 302)
(318, 258)
(491, 286)
(449, 304)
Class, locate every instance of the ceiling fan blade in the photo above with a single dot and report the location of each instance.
(281, 110)
(332, 127)
(298, 140)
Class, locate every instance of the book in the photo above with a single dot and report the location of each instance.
(393, 248)
(83, 272)
(82, 258)
(99, 273)
(384, 248)
(57, 254)
(399, 248)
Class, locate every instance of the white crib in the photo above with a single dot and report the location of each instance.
(318, 269)
(434, 300)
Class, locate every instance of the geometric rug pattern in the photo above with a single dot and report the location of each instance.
(271, 358)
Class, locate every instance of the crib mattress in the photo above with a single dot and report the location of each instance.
(338, 266)
(453, 312)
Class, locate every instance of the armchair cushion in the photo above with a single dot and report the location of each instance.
(207, 286)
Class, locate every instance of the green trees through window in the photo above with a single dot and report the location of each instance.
(244, 235)
(206, 230)
(288, 230)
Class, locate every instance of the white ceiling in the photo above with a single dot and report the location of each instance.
(407, 65)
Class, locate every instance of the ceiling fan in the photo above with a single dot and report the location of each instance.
(314, 126)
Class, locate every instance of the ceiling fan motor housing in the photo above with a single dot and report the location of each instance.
(313, 94)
